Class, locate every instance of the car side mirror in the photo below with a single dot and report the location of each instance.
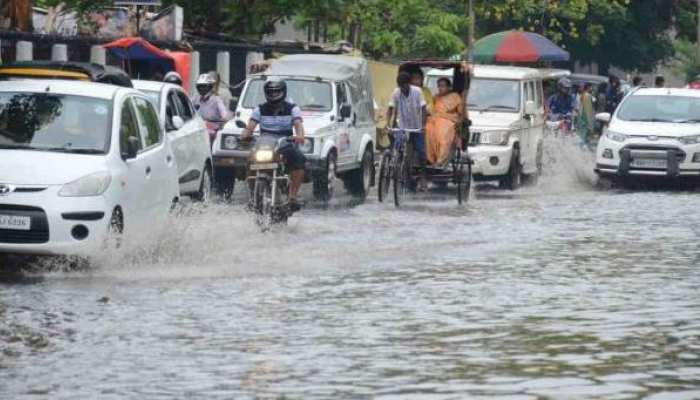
(233, 104)
(345, 111)
(530, 108)
(240, 124)
(603, 117)
(132, 148)
(177, 122)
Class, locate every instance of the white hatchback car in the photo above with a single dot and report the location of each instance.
(78, 159)
(187, 134)
(653, 133)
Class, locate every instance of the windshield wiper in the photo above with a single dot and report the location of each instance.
(650, 120)
(314, 106)
(76, 150)
(689, 121)
(15, 146)
(498, 107)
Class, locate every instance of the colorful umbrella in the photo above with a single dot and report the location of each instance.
(517, 47)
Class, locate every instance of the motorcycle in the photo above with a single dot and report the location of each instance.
(269, 182)
(560, 124)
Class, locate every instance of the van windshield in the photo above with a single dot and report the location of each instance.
(308, 95)
(52, 122)
(494, 95)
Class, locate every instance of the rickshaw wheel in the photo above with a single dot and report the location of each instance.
(384, 177)
(463, 175)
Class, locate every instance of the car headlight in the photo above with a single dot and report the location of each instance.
(229, 142)
(695, 139)
(494, 137)
(307, 147)
(615, 137)
(264, 156)
(89, 185)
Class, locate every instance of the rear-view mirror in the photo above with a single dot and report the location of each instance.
(233, 104)
(603, 117)
(345, 111)
(132, 148)
(530, 108)
(177, 122)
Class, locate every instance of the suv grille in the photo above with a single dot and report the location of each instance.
(39, 232)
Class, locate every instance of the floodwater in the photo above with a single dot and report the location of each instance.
(554, 291)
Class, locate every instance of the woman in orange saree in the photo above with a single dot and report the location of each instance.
(441, 126)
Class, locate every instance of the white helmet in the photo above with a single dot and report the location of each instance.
(173, 77)
(205, 84)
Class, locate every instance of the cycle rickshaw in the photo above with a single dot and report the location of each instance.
(397, 167)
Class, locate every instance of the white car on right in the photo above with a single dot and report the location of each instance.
(654, 133)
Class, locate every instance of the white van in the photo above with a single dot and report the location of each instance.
(506, 107)
(335, 96)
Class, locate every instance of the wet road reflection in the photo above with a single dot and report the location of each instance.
(555, 291)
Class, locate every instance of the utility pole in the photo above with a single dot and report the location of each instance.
(697, 40)
(470, 15)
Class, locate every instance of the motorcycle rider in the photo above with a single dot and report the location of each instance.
(563, 102)
(208, 104)
(280, 118)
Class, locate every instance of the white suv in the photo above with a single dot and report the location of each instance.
(653, 133)
(506, 107)
(76, 160)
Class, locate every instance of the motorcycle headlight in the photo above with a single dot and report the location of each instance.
(265, 155)
(615, 136)
(229, 142)
(494, 137)
(89, 185)
(695, 139)
(307, 147)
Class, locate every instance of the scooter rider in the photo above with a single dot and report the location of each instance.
(280, 118)
(208, 104)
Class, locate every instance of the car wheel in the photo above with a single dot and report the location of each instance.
(513, 180)
(204, 193)
(116, 222)
(359, 180)
(324, 181)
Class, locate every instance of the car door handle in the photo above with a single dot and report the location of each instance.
(168, 158)
(148, 170)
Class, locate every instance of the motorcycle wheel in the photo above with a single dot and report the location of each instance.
(262, 201)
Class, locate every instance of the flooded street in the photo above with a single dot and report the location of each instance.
(554, 291)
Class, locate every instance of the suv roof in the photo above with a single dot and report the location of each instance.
(496, 72)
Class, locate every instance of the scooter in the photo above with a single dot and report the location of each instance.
(560, 124)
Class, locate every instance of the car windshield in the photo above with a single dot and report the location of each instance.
(494, 95)
(660, 109)
(154, 97)
(308, 95)
(52, 122)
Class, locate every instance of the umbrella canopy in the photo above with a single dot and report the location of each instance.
(517, 47)
(137, 49)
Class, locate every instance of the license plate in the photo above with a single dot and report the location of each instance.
(16, 223)
(649, 163)
(256, 167)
